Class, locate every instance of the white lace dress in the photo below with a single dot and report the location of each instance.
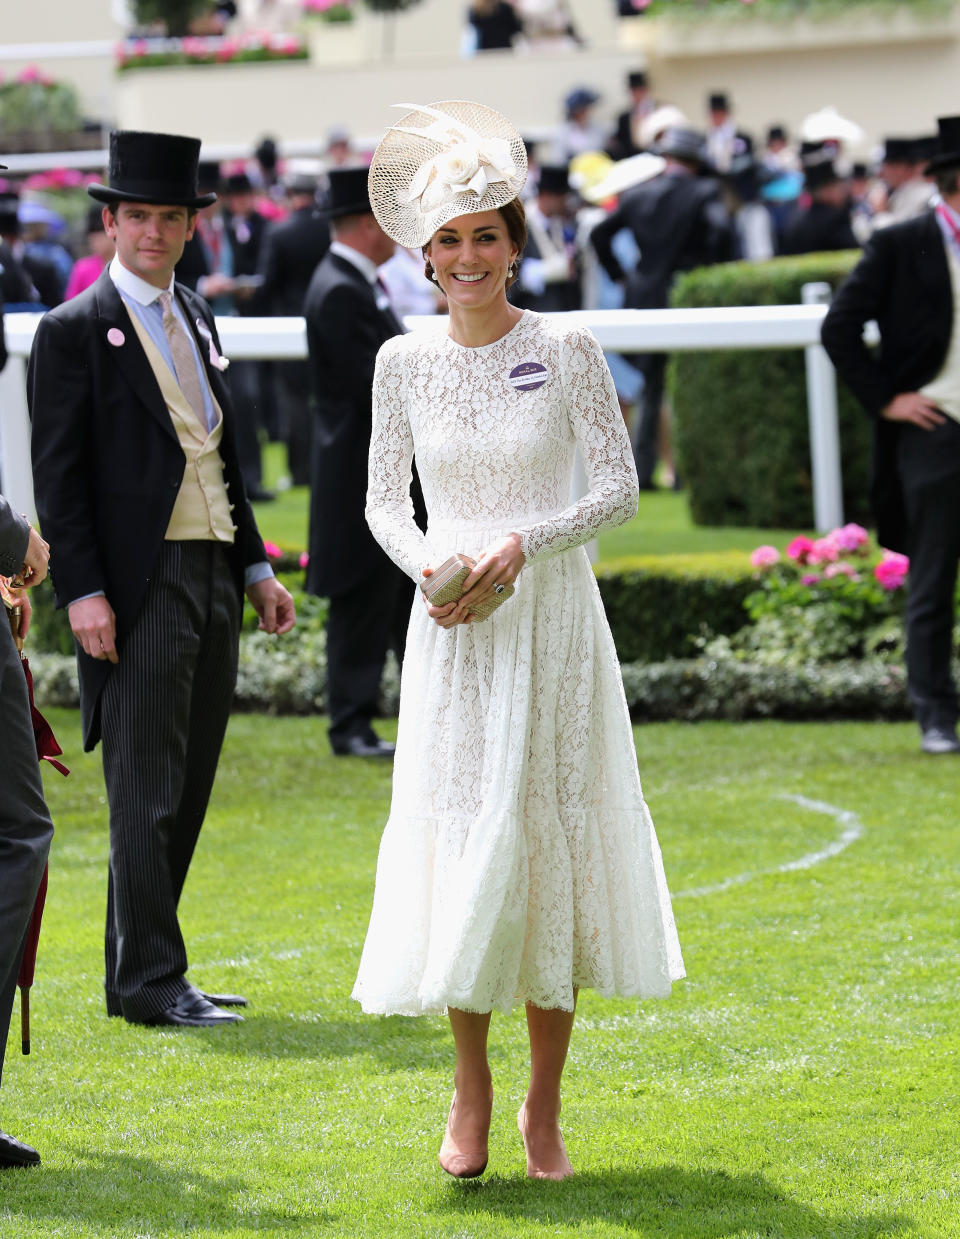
(519, 861)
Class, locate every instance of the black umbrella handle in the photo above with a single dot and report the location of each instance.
(24, 1020)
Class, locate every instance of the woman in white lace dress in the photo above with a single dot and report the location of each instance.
(519, 863)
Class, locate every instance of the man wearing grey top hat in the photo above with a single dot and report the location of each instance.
(140, 493)
(908, 280)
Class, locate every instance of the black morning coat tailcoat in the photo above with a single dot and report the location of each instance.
(291, 252)
(902, 281)
(344, 332)
(107, 462)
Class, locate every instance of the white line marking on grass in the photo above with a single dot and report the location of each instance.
(852, 829)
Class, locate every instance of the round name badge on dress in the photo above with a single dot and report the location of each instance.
(528, 376)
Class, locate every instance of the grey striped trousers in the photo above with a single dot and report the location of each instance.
(164, 711)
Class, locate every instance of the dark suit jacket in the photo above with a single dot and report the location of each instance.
(291, 252)
(679, 223)
(107, 464)
(903, 282)
(344, 333)
(819, 228)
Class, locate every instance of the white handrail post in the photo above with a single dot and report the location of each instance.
(15, 437)
(823, 422)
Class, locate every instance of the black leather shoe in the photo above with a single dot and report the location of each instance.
(260, 494)
(363, 746)
(15, 1153)
(193, 1010)
(219, 1000)
(938, 740)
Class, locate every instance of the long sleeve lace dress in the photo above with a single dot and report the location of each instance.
(519, 861)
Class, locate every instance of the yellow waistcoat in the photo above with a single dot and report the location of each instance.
(202, 510)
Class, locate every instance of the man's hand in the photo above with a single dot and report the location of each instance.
(273, 604)
(910, 406)
(36, 559)
(95, 627)
(26, 610)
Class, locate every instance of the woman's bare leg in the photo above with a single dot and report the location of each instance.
(464, 1149)
(539, 1117)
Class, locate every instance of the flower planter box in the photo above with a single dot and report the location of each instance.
(679, 38)
(27, 142)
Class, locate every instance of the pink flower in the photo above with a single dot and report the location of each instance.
(30, 74)
(304, 559)
(800, 548)
(823, 551)
(850, 537)
(273, 551)
(765, 557)
(892, 570)
(841, 569)
(810, 578)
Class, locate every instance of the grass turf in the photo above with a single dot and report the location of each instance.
(801, 1083)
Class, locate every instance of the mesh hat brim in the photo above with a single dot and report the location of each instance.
(402, 157)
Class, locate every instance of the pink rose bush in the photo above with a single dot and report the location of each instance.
(832, 597)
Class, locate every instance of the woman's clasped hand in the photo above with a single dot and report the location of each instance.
(499, 565)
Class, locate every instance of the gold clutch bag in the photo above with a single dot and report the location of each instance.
(446, 586)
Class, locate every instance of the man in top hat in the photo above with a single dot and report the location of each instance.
(550, 275)
(25, 826)
(825, 223)
(901, 171)
(724, 141)
(627, 139)
(678, 222)
(908, 280)
(153, 539)
(348, 317)
(291, 253)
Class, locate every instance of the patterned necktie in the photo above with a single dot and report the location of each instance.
(183, 358)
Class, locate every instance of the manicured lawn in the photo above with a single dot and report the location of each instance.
(802, 1083)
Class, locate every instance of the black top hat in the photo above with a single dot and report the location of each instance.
(948, 144)
(553, 179)
(687, 145)
(718, 102)
(349, 193)
(237, 183)
(638, 79)
(899, 150)
(818, 175)
(159, 168)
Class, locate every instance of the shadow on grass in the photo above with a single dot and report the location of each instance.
(667, 1201)
(397, 1043)
(117, 1193)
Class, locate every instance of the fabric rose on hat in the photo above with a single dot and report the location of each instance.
(464, 167)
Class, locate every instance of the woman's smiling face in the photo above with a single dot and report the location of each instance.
(471, 256)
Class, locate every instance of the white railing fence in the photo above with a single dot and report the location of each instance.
(725, 327)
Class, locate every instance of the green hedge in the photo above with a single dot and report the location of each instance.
(658, 605)
(740, 416)
(278, 676)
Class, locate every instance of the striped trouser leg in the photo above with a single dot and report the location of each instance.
(164, 711)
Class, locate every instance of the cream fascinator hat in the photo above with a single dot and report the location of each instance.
(442, 160)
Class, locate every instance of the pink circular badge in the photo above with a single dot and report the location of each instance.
(116, 337)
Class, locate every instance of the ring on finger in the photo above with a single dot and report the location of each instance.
(498, 588)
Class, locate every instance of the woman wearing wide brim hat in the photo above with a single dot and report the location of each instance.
(519, 863)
